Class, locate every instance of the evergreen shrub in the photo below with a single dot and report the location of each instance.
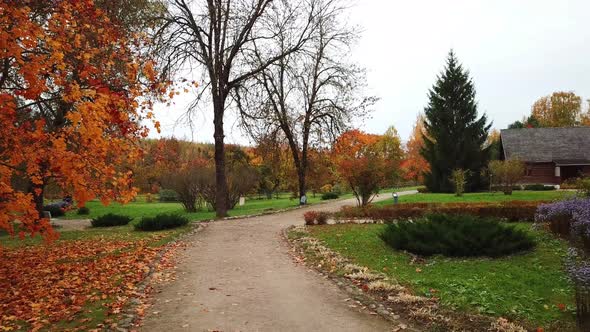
(456, 236)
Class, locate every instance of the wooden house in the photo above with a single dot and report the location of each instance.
(551, 155)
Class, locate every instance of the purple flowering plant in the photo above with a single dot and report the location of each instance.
(576, 214)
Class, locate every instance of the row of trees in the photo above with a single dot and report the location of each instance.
(360, 162)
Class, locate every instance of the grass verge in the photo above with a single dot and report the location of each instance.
(481, 197)
(531, 288)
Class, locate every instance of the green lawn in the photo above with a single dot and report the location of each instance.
(482, 197)
(140, 208)
(526, 287)
(122, 233)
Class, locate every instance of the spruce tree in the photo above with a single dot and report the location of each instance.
(454, 135)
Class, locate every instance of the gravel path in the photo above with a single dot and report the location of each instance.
(238, 275)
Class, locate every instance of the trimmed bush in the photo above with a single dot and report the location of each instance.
(161, 222)
(83, 211)
(422, 190)
(538, 187)
(110, 219)
(330, 195)
(168, 195)
(310, 217)
(510, 210)
(456, 236)
(322, 218)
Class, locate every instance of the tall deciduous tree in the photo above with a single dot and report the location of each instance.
(455, 134)
(221, 37)
(414, 165)
(71, 79)
(561, 109)
(311, 95)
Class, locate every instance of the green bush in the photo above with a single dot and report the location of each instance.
(422, 190)
(55, 210)
(538, 187)
(456, 236)
(330, 195)
(168, 195)
(161, 222)
(584, 186)
(83, 211)
(110, 219)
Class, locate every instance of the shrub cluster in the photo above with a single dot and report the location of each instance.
(83, 211)
(538, 187)
(110, 219)
(161, 222)
(509, 210)
(330, 195)
(422, 190)
(312, 217)
(456, 236)
(168, 195)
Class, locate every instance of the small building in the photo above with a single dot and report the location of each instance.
(551, 155)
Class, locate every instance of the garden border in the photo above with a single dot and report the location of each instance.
(403, 305)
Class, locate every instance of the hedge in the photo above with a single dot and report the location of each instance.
(110, 220)
(161, 222)
(510, 210)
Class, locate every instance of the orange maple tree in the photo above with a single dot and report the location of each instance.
(73, 93)
(414, 165)
(364, 162)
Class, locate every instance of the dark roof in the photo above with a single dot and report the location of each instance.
(547, 144)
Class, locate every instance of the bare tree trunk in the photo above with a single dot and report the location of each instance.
(301, 178)
(221, 190)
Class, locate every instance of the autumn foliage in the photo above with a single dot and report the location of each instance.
(70, 85)
(366, 162)
(414, 165)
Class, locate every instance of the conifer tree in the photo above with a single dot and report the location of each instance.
(455, 134)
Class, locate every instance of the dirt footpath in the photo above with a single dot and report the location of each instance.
(238, 275)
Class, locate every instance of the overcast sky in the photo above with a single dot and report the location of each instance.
(515, 50)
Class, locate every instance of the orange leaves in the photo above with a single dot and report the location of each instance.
(354, 151)
(45, 284)
(414, 165)
(366, 161)
(78, 73)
